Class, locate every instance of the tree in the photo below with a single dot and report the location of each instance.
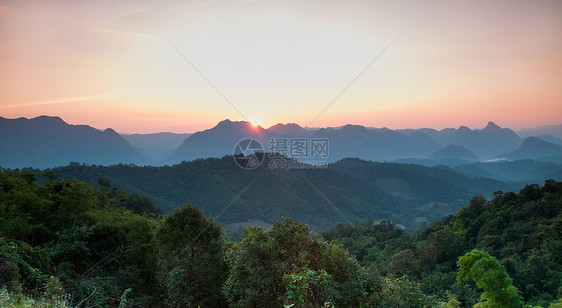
(488, 274)
(287, 266)
(191, 265)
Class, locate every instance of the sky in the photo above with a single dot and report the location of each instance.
(182, 66)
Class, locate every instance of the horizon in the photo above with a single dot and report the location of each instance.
(287, 123)
(149, 67)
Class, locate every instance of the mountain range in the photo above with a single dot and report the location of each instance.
(45, 142)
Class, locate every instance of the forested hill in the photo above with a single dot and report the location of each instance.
(523, 230)
(64, 243)
(348, 190)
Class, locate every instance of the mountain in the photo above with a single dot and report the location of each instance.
(486, 143)
(288, 130)
(349, 190)
(552, 130)
(157, 146)
(454, 152)
(45, 142)
(375, 144)
(347, 141)
(535, 148)
(217, 141)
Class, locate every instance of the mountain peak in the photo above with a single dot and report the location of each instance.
(533, 141)
(229, 124)
(492, 125)
(48, 119)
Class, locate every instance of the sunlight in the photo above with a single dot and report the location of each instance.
(255, 122)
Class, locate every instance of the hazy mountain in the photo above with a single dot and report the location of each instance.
(535, 148)
(288, 130)
(346, 141)
(375, 144)
(454, 152)
(552, 130)
(157, 146)
(487, 142)
(217, 141)
(349, 190)
(551, 139)
(44, 142)
(36, 143)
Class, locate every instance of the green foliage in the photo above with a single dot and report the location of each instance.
(52, 297)
(82, 235)
(523, 230)
(191, 263)
(288, 266)
(362, 190)
(399, 292)
(109, 248)
(488, 274)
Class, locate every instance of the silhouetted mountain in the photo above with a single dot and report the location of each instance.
(487, 142)
(375, 144)
(44, 142)
(535, 148)
(454, 152)
(217, 141)
(349, 190)
(551, 139)
(158, 146)
(288, 130)
(347, 141)
(552, 130)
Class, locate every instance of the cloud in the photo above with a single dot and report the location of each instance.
(76, 99)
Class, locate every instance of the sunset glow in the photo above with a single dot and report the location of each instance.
(114, 64)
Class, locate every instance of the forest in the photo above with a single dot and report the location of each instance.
(67, 243)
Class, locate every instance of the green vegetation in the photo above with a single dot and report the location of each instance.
(523, 231)
(411, 195)
(65, 243)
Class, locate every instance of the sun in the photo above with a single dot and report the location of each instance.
(254, 122)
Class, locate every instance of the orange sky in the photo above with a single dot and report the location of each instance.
(449, 63)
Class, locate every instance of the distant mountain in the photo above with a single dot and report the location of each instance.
(349, 190)
(551, 139)
(347, 141)
(375, 144)
(535, 148)
(158, 146)
(217, 141)
(552, 130)
(454, 152)
(288, 130)
(426, 146)
(45, 142)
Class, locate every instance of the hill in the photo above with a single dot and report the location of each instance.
(521, 230)
(452, 151)
(45, 142)
(348, 190)
(535, 148)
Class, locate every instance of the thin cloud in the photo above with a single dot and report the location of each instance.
(75, 99)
